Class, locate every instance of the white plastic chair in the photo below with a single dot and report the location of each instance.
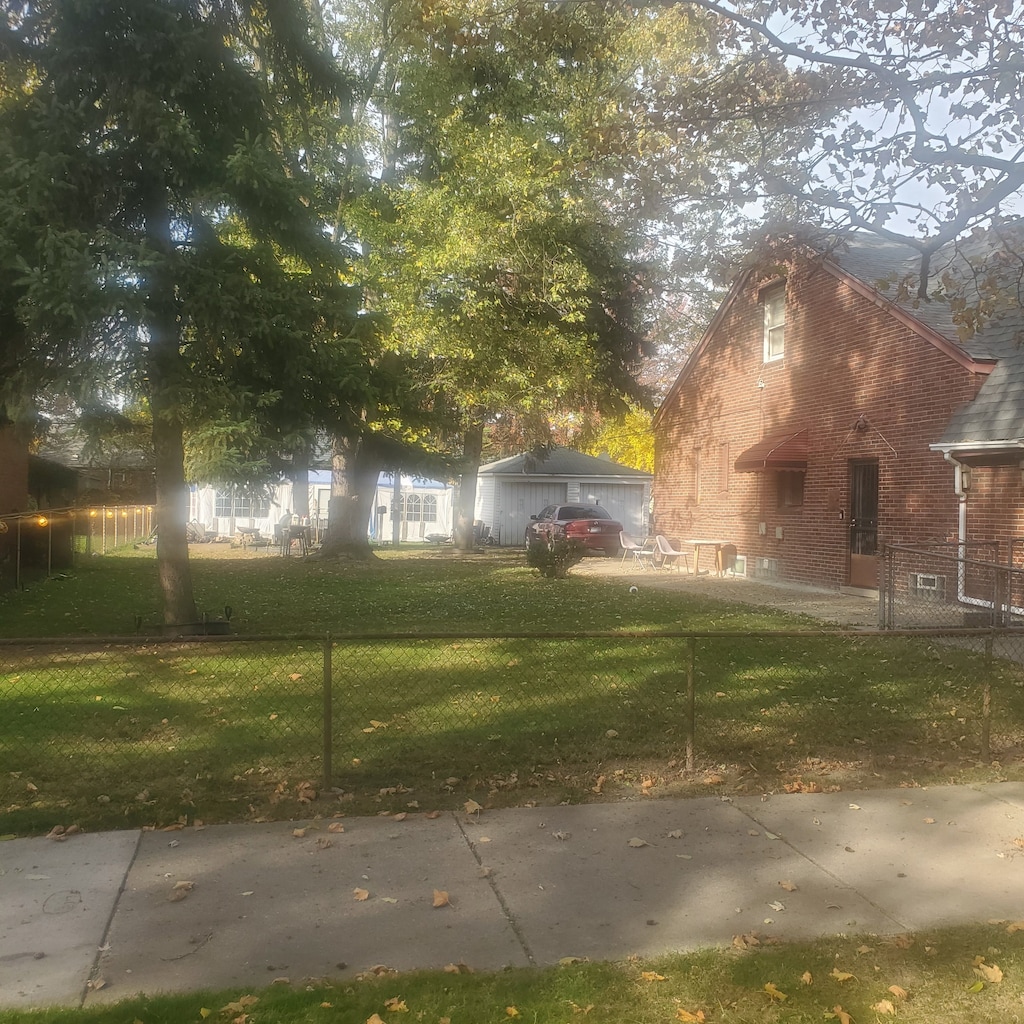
(630, 548)
(670, 557)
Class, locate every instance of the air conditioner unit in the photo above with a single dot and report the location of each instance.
(927, 584)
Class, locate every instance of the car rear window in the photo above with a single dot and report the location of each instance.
(583, 512)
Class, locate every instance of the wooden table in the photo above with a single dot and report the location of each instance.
(698, 544)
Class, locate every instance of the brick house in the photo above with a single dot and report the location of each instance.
(824, 414)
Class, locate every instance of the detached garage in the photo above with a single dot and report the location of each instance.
(511, 490)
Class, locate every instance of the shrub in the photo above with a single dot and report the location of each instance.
(555, 557)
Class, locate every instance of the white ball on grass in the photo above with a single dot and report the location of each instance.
(634, 590)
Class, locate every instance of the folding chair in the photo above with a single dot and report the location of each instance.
(670, 556)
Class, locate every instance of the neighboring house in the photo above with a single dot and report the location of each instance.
(824, 415)
(510, 490)
(116, 470)
(424, 507)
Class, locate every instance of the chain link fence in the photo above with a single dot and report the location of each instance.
(238, 728)
(942, 585)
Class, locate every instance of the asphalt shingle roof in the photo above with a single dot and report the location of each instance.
(997, 413)
(561, 462)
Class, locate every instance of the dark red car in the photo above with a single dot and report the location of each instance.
(590, 524)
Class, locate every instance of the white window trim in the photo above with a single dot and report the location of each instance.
(768, 299)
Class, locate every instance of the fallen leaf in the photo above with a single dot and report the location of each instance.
(636, 843)
(839, 975)
(690, 1018)
(204, 1012)
(929, 821)
(440, 898)
(745, 941)
(676, 833)
(581, 1009)
(472, 807)
(179, 891)
(773, 993)
(299, 833)
(400, 816)
(568, 961)
(895, 990)
(361, 895)
(652, 976)
(598, 784)
(854, 807)
(788, 886)
(777, 906)
(1014, 926)
(431, 815)
(511, 1011)
(842, 1016)
(295, 677)
(884, 1006)
(977, 986)
(375, 1018)
(991, 974)
(240, 1004)
(335, 826)
(396, 1005)
(903, 941)
(459, 968)
(865, 949)
(807, 978)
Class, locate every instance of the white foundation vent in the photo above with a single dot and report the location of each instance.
(927, 584)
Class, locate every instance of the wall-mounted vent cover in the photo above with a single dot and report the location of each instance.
(927, 584)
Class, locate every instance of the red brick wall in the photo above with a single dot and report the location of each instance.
(13, 471)
(844, 358)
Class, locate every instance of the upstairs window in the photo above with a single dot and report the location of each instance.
(774, 302)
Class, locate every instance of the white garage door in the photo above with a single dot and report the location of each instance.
(518, 501)
(624, 502)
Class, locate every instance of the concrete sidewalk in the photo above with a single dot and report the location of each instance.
(525, 886)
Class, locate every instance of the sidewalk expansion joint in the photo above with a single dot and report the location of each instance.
(505, 909)
(94, 972)
(824, 870)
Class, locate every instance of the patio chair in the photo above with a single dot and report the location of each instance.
(671, 557)
(630, 548)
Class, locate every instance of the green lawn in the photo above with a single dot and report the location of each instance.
(933, 978)
(148, 732)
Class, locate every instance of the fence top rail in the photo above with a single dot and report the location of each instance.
(949, 556)
(379, 637)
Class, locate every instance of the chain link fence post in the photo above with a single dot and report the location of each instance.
(986, 703)
(691, 702)
(328, 717)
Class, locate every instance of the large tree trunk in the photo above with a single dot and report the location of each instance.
(300, 483)
(354, 474)
(166, 374)
(465, 506)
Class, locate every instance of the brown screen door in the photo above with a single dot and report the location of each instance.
(864, 523)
